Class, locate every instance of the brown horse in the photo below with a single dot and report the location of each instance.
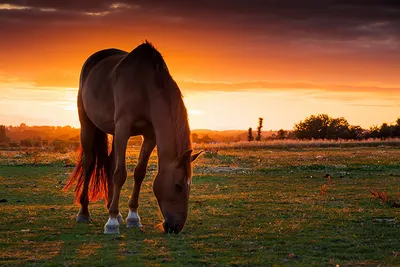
(127, 94)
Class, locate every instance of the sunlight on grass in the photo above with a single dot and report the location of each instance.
(87, 249)
(251, 206)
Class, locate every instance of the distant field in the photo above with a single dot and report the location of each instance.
(249, 205)
(292, 144)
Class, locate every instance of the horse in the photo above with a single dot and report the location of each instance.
(121, 95)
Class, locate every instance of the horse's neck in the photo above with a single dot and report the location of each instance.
(170, 143)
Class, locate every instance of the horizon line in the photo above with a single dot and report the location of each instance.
(197, 129)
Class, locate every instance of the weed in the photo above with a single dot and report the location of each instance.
(384, 198)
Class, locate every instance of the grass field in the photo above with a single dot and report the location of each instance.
(248, 207)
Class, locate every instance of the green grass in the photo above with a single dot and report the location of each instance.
(247, 207)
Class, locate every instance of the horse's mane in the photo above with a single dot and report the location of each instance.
(171, 93)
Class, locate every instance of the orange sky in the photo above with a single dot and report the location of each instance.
(234, 63)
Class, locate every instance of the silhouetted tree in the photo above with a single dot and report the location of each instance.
(338, 128)
(313, 127)
(385, 131)
(373, 132)
(281, 134)
(260, 121)
(356, 132)
(324, 127)
(3, 135)
(396, 128)
(250, 135)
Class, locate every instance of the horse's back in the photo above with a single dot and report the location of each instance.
(96, 58)
(96, 89)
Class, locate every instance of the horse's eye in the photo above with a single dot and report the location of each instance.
(178, 188)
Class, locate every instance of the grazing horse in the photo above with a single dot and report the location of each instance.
(127, 94)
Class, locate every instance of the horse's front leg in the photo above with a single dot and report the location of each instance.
(121, 138)
(110, 172)
(133, 218)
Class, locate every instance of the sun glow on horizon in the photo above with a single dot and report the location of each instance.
(215, 110)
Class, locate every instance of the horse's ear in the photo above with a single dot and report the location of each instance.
(184, 157)
(194, 157)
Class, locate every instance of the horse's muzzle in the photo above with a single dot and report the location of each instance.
(172, 228)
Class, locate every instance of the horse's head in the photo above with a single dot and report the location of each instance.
(171, 188)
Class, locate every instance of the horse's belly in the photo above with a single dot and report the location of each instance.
(99, 106)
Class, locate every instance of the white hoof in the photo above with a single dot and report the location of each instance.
(133, 220)
(112, 226)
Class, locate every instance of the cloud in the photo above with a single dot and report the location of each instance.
(8, 82)
(287, 86)
(13, 7)
(375, 105)
(30, 14)
(305, 20)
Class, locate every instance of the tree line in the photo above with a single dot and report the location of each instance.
(319, 126)
(322, 126)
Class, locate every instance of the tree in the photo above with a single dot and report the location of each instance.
(3, 135)
(385, 131)
(396, 128)
(373, 132)
(260, 121)
(324, 127)
(281, 134)
(356, 132)
(250, 135)
(313, 127)
(338, 128)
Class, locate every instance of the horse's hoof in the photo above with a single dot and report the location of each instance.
(130, 223)
(83, 218)
(112, 226)
(133, 220)
(120, 219)
(113, 230)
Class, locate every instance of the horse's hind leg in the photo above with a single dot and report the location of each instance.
(133, 218)
(89, 157)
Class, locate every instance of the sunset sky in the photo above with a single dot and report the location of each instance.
(234, 60)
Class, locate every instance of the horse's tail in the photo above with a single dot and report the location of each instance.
(98, 185)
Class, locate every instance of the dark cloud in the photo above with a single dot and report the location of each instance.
(316, 19)
(63, 5)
